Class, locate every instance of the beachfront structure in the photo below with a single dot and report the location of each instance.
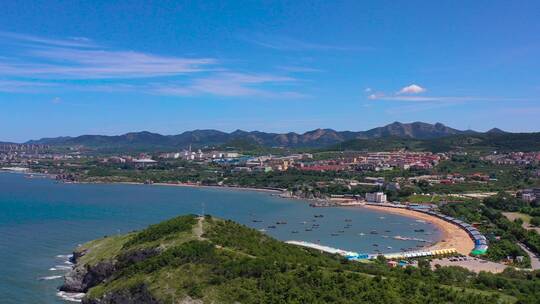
(355, 256)
(376, 197)
(480, 241)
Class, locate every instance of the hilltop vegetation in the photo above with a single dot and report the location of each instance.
(190, 259)
(490, 141)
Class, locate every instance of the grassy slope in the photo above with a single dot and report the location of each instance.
(223, 262)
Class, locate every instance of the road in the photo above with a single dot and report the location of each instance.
(535, 261)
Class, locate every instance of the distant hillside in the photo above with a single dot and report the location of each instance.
(201, 138)
(208, 260)
(489, 141)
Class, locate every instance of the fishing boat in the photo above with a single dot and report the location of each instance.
(272, 227)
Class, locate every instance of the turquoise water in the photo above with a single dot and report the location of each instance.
(41, 219)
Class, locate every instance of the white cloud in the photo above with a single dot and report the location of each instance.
(17, 86)
(73, 63)
(442, 98)
(283, 43)
(229, 84)
(412, 89)
(43, 64)
(374, 96)
(367, 90)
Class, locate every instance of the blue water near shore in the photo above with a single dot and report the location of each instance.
(41, 220)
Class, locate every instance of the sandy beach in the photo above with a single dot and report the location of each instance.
(452, 235)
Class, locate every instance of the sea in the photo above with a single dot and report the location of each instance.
(42, 221)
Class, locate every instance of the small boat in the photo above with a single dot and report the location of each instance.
(419, 230)
(341, 231)
(281, 223)
(315, 225)
(334, 234)
(256, 221)
(308, 229)
(387, 231)
(303, 223)
(348, 220)
(374, 232)
(272, 227)
(376, 245)
(361, 233)
(318, 215)
(389, 247)
(294, 231)
(262, 230)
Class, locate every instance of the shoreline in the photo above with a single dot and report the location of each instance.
(280, 191)
(452, 236)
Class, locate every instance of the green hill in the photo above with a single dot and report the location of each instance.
(190, 259)
(490, 141)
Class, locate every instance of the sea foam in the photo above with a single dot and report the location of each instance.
(56, 277)
(71, 296)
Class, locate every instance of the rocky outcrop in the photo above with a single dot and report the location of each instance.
(83, 276)
(135, 295)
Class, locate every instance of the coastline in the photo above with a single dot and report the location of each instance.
(277, 191)
(452, 235)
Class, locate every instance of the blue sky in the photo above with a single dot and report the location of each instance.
(98, 67)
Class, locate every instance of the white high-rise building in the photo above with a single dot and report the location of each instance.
(376, 197)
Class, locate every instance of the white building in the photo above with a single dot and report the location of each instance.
(376, 197)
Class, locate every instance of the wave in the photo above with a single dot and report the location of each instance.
(64, 256)
(404, 238)
(55, 277)
(60, 268)
(71, 296)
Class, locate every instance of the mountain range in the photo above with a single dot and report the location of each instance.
(202, 138)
